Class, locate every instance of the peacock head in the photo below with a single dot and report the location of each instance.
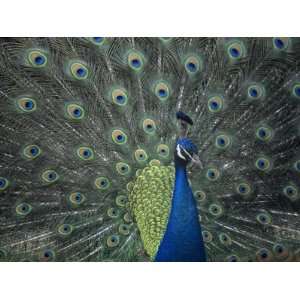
(183, 123)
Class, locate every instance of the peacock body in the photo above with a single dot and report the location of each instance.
(88, 133)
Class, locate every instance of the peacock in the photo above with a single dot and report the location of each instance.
(89, 150)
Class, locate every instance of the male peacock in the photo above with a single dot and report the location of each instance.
(88, 130)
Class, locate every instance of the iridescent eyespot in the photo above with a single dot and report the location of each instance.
(119, 137)
(76, 198)
(50, 176)
(255, 91)
(222, 141)
(113, 241)
(263, 255)
(119, 96)
(281, 43)
(26, 104)
(297, 165)
(200, 195)
(23, 209)
(140, 155)
(291, 191)
(212, 174)
(243, 189)
(79, 71)
(121, 200)
(236, 50)
(75, 111)
(32, 151)
(149, 126)
(123, 168)
(47, 255)
(225, 239)
(4, 183)
(37, 58)
(113, 212)
(280, 251)
(102, 183)
(215, 104)
(296, 90)
(233, 258)
(163, 150)
(97, 40)
(263, 164)
(85, 153)
(207, 236)
(135, 60)
(124, 229)
(162, 90)
(264, 218)
(192, 64)
(215, 209)
(65, 229)
(264, 133)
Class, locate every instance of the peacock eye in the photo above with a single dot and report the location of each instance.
(4, 183)
(124, 229)
(75, 112)
(119, 137)
(23, 209)
(37, 58)
(255, 91)
(212, 174)
(47, 255)
(119, 96)
(76, 198)
(263, 254)
(140, 155)
(50, 176)
(216, 210)
(102, 183)
(236, 50)
(192, 64)
(113, 212)
(222, 141)
(225, 239)
(291, 191)
(97, 40)
(163, 150)
(65, 229)
(162, 90)
(264, 133)
(296, 90)
(207, 236)
(123, 168)
(281, 43)
(26, 104)
(263, 164)
(215, 104)
(280, 251)
(297, 165)
(243, 189)
(85, 153)
(121, 200)
(135, 60)
(200, 195)
(79, 71)
(31, 151)
(264, 218)
(149, 126)
(113, 241)
(233, 258)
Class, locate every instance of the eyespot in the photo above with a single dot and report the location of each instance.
(37, 59)
(113, 241)
(215, 104)
(135, 60)
(200, 196)
(32, 151)
(65, 229)
(162, 90)
(225, 239)
(207, 236)
(264, 218)
(85, 153)
(119, 137)
(264, 133)
(47, 255)
(280, 251)
(23, 209)
(4, 183)
(113, 212)
(255, 91)
(119, 96)
(102, 183)
(212, 174)
(233, 258)
(163, 150)
(149, 126)
(222, 141)
(121, 200)
(291, 192)
(79, 71)
(192, 65)
(26, 104)
(296, 90)
(75, 112)
(127, 218)
(124, 229)
(281, 43)
(243, 189)
(263, 255)
(140, 155)
(123, 168)
(297, 165)
(3, 255)
(97, 40)
(263, 164)
(76, 198)
(236, 50)
(50, 176)
(215, 210)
